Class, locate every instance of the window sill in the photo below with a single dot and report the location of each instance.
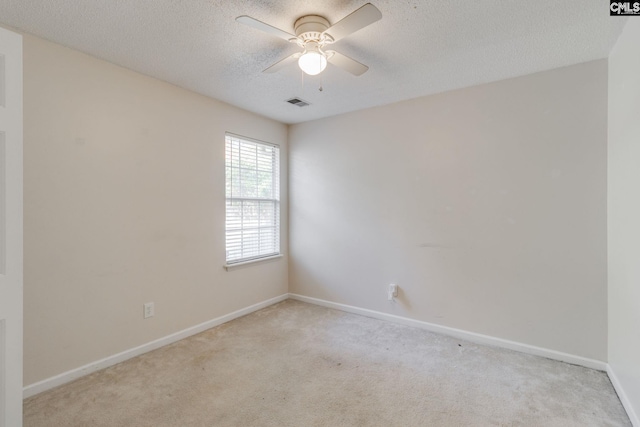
(236, 265)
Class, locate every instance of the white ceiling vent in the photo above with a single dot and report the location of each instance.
(297, 101)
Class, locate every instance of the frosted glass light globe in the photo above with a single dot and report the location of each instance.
(312, 62)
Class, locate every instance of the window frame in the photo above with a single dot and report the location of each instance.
(276, 200)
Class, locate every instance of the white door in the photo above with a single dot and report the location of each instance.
(10, 229)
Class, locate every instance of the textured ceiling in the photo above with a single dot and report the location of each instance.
(418, 48)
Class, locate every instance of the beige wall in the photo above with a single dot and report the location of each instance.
(486, 205)
(124, 204)
(624, 214)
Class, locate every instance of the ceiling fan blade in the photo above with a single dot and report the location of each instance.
(366, 15)
(283, 63)
(259, 25)
(346, 63)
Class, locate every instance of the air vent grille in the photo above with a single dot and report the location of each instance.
(297, 101)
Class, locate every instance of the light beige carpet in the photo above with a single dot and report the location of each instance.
(295, 364)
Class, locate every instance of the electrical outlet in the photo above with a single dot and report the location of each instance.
(393, 291)
(149, 310)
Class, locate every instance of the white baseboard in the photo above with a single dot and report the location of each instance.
(74, 374)
(461, 334)
(626, 402)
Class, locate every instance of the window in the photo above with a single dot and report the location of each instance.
(253, 199)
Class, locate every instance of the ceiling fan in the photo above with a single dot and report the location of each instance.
(313, 34)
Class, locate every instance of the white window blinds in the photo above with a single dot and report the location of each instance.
(253, 199)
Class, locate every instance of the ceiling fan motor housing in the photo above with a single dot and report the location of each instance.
(310, 28)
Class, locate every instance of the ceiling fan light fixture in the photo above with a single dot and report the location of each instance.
(313, 33)
(313, 62)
